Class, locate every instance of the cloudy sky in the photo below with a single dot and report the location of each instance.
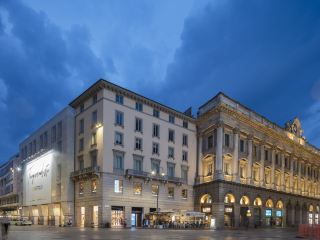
(264, 53)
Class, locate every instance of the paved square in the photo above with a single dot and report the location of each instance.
(47, 233)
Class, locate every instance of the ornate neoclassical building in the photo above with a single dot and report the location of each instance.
(252, 172)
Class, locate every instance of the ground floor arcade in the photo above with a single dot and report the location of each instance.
(54, 214)
(229, 204)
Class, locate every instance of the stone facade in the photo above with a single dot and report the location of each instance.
(252, 172)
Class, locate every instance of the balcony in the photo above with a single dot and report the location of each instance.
(157, 177)
(86, 173)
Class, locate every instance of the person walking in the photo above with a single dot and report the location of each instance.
(4, 227)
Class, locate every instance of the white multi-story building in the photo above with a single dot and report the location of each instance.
(47, 158)
(127, 149)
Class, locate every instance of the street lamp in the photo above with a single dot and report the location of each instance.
(154, 173)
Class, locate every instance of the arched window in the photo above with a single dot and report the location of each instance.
(206, 199)
(244, 200)
(279, 204)
(257, 202)
(269, 203)
(229, 198)
(311, 208)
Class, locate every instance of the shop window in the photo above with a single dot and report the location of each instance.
(244, 200)
(137, 188)
(206, 199)
(257, 202)
(229, 198)
(269, 203)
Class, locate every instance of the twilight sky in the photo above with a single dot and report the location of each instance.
(263, 53)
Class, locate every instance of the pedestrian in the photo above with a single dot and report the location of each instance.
(5, 227)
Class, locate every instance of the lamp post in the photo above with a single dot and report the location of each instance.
(154, 173)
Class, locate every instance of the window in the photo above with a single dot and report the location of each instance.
(184, 193)
(210, 142)
(170, 169)
(185, 140)
(156, 113)
(209, 169)
(227, 168)
(138, 127)
(241, 145)
(156, 132)
(184, 156)
(118, 186)
(139, 106)
(155, 148)
(171, 119)
(41, 144)
(34, 146)
(94, 118)
(119, 118)
(171, 135)
(266, 155)
(81, 188)
(59, 129)
(184, 173)
(242, 171)
(53, 134)
(94, 99)
(255, 151)
(118, 160)
(93, 138)
(185, 124)
(45, 139)
(155, 165)
(118, 138)
(94, 185)
(170, 192)
(82, 107)
(170, 152)
(81, 126)
(81, 144)
(227, 140)
(137, 188)
(81, 162)
(59, 146)
(93, 155)
(256, 174)
(154, 189)
(119, 99)
(138, 163)
(138, 144)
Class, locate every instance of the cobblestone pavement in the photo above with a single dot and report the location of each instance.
(47, 233)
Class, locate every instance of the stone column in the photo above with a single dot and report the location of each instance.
(219, 153)
(282, 172)
(218, 214)
(262, 157)
(127, 212)
(273, 157)
(249, 167)
(236, 215)
(199, 160)
(235, 172)
(291, 173)
(299, 177)
(284, 216)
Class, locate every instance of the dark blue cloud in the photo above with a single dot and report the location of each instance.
(42, 68)
(266, 54)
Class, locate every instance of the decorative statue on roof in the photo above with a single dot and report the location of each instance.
(294, 126)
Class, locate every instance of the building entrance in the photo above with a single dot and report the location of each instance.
(136, 217)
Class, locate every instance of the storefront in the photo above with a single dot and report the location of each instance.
(257, 212)
(229, 210)
(136, 216)
(268, 213)
(310, 215)
(117, 217)
(279, 214)
(244, 211)
(316, 215)
(206, 208)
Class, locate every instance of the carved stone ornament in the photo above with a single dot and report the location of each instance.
(294, 126)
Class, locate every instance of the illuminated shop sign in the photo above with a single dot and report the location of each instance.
(206, 209)
(37, 180)
(228, 209)
(268, 212)
(279, 213)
